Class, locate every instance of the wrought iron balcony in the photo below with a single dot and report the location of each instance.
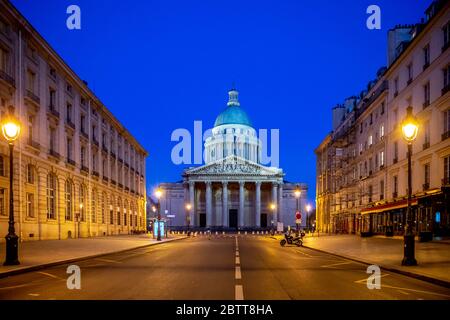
(54, 154)
(445, 135)
(52, 111)
(84, 135)
(84, 168)
(426, 145)
(70, 124)
(33, 97)
(7, 78)
(95, 173)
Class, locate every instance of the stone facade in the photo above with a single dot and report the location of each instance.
(77, 171)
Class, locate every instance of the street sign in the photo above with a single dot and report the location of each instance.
(298, 221)
(298, 215)
(170, 216)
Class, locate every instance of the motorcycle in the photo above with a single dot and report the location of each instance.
(290, 238)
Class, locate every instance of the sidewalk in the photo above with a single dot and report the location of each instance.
(34, 255)
(433, 258)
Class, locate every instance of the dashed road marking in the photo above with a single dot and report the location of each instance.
(336, 264)
(237, 273)
(49, 275)
(34, 294)
(238, 261)
(107, 260)
(239, 292)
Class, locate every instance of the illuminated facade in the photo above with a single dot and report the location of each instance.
(77, 171)
(232, 190)
(366, 156)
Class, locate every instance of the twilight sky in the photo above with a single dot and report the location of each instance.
(159, 65)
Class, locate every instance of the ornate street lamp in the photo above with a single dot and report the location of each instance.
(308, 210)
(298, 194)
(410, 127)
(11, 132)
(158, 194)
(188, 215)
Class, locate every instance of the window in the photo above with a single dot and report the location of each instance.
(447, 170)
(94, 161)
(94, 133)
(395, 151)
(426, 95)
(30, 129)
(2, 202)
(410, 72)
(30, 174)
(105, 168)
(30, 205)
(82, 203)
(395, 86)
(69, 199)
(446, 74)
(426, 142)
(2, 166)
(69, 148)
(52, 139)
(3, 27)
(395, 186)
(382, 108)
(370, 140)
(125, 219)
(447, 122)
(52, 98)
(111, 216)
(426, 173)
(381, 131)
(69, 88)
(3, 60)
(69, 113)
(446, 34)
(82, 123)
(103, 208)
(51, 196)
(118, 218)
(426, 56)
(381, 158)
(31, 80)
(381, 189)
(94, 206)
(82, 155)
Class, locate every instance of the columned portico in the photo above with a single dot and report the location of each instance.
(208, 204)
(225, 203)
(241, 203)
(258, 204)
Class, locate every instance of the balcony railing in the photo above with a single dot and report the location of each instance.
(71, 162)
(54, 154)
(34, 144)
(105, 179)
(33, 97)
(426, 145)
(84, 134)
(113, 182)
(445, 135)
(52, 111)
(84, 168)
(70, 124)
(426, 104)
(6, 77)
(95, 142)
(95, 173)
(120, 185)
(426, 186)
(104, 148)
(445, 89)
(112, 154)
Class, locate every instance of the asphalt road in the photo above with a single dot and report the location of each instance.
(225, 268)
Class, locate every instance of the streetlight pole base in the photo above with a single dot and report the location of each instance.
(408, 254)
(12, 250)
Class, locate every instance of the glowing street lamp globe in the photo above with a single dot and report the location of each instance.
(297, 193)
(158, 193)
(273, 206)
(10, 128)
(410, 126)
(308, 207)
(188, 206)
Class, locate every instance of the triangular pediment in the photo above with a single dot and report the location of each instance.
(234, 165)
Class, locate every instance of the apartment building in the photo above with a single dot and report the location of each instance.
(77, 171)
(371, 196)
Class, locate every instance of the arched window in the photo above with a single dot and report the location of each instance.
(82, 203)
(51, 196)
(94, 206)
(69, 199)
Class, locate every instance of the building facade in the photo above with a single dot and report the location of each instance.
(77, 171)
(364, 159)
(233, 190)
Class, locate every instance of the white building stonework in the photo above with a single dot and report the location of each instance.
(232, 190)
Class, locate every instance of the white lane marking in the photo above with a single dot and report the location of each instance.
(238, 261)
(107, 260)
(49, 275)
(239, 292)
(237, 253)
(364, 281)
(305, 254)
(336, 264)
(34, 294)
(237, 273)
(403, 292)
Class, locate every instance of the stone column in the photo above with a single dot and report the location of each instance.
(275, 201)
(241, 203)
(192, 202)
(280, 203)
(225, 204)
(208, 204)
(258, 204)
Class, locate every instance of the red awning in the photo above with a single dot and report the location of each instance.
(389, 206)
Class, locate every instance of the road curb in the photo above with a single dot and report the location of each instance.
(61, 262)
(394, 269)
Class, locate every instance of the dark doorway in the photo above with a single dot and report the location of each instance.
(202, 220)
(263, 220)
(233, 218)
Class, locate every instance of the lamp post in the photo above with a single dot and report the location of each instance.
(188, 215)
(410, 128)
(158, 194)
(298, 194)
(273, 208)
(308, 210)
(11, 132)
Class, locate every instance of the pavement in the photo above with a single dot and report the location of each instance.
(433, 257)
(34, 255)
(224, 267)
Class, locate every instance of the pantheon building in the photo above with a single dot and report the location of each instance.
(232, 190)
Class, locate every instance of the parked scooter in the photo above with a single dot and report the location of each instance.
(292, 238)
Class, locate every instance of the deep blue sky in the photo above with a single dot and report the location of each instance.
(160, 65)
